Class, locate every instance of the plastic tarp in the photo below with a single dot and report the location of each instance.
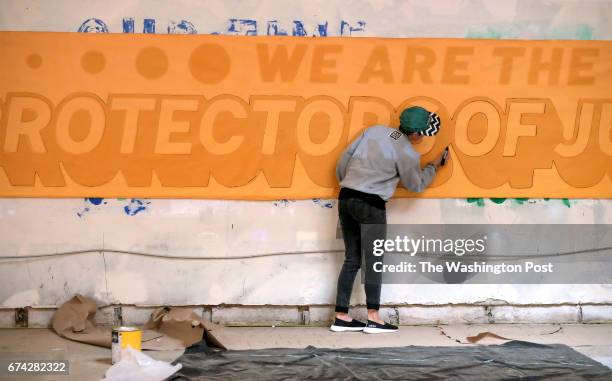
(508, 361)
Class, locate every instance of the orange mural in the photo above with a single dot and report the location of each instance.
(199, 116)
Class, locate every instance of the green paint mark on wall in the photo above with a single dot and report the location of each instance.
(490, 32)
(477, 201)
(568, 32)
(576, 32)
(520, 201)
(584, 32)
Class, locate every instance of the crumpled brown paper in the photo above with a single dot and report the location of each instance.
(482, 335)
(74, 320)
(180, 327)
(169, 328)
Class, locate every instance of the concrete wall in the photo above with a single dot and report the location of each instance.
(211, 228)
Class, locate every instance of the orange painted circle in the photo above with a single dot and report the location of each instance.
(34, 61)
(152, 62)
(209, 63)
(93, 62)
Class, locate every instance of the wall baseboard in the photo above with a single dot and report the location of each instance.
(321, 315)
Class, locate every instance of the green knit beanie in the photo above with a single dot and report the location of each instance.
(418, 120)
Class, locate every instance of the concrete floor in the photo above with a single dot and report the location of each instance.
(88, 362)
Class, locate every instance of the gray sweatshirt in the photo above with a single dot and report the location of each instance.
(378, 159)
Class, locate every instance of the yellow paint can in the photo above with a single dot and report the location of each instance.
(122, 337)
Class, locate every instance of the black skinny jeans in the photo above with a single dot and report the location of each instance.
(356, 209)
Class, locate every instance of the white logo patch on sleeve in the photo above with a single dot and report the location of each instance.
(395, 135)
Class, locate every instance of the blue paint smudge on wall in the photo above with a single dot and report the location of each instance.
(182, 27)
(298, 29)
(242, 27)
(322, 28)
(93, 25)
(149, 26)
(89, 204)
(133, 207)
(128, 25)
(274, 29)
(345, 27)
(282, 203)
(328, 204)
(82, 212)
(136, 206)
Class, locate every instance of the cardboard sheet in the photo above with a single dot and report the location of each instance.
(168, 329)
(74, 320)
(201, 116)
(179, 327)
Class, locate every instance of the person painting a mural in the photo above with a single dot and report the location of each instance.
(368, 172)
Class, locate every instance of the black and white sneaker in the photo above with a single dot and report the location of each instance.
(343, 325)
(374, 327)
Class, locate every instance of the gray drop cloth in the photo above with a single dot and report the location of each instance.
(510, 361)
